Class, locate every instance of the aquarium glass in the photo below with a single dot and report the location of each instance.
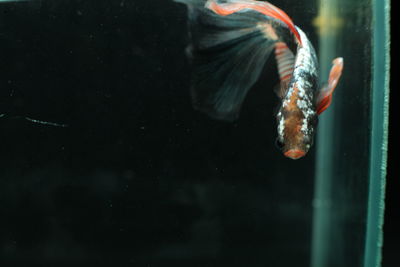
(104, 161)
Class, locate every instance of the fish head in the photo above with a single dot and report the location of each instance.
(297, 145)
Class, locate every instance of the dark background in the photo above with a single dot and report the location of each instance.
(137, 178)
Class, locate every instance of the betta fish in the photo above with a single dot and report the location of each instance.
(231, 40)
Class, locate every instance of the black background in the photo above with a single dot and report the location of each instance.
(137, 177)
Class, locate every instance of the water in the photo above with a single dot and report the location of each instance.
(138, 178)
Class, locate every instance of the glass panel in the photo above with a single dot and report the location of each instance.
(342, 191)
(379, 133)
(342, 163)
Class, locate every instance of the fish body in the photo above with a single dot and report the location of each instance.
(230, 42)
(297, 115)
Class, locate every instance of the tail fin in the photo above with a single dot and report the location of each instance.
(228, 54)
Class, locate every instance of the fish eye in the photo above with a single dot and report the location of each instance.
(279, 144)
(310, 142)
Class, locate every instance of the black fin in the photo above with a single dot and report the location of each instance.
(222, 78)
(228, 54)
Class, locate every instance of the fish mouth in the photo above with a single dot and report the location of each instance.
(295, 153)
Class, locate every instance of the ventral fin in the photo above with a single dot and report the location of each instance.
(281, 88)
(324, 98)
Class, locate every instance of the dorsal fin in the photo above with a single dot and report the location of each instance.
(233, 6)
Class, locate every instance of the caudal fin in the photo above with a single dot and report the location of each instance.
(228, 54)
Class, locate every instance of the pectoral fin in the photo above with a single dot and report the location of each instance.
(324, 98)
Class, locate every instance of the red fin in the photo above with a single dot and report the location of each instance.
(325, 96)
(264, 7)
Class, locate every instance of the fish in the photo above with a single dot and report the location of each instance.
(229, 44)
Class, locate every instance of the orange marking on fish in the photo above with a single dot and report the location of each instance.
(292, 105)
(286, 77)
(293, 121)
(281, 45)
(269, 31)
